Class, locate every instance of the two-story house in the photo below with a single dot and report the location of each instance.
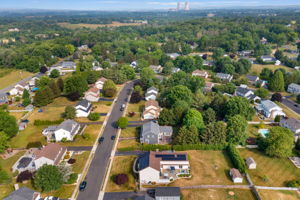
(100, 82)
(269, 109)
(153, 133)
(224, 77)
(151, 111)
(83, 108)
(92, 94)
(247, 93)
(294, 88)
(200, 73)
(151, 93)
(292, 124)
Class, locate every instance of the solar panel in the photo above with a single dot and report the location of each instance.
(171, 156)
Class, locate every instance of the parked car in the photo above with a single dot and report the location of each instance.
(82, 186)
(113, 137)
(122, 107)
(101, 139)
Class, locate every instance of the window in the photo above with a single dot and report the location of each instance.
(180, 166)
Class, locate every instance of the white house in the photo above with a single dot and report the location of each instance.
(66, 130)
(151, 111)
(100, 82)
(133, 64)
(250, 163)
(294, 88)
(224, 77)
(292, 124)
(269, 109)
(32, 82)
(236, 175)
(162, 167)
(92, 94)
(175, 70)
(63, 67)
(19, 89)
(151, 93)
(173, 56)
(156, 68)
(200, 73)
(245, 92)
(268, 59)
(83, 108)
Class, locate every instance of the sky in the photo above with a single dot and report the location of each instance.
(135, 4)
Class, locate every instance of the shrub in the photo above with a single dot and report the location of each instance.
(24, 176)
(122, 122)
(277, 118)
(131, 114)
(199, 147)
(121, 179)
(153, 147)
(236, 158)
(64, 140)
(294, 183)
(86, 136)
(71, 161)
(47, 122)
(276, 97)
(94, 116)
(67, 157)
(73, 178)
(34, 145)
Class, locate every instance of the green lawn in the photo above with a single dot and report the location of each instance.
(277, 170)
(80, 162)
(11, 76)
(136, 107)
(7, 164)
(5, 190)
(128, 145)
(257, 68)
(129, 132)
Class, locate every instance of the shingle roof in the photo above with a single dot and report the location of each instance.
(69, 125)
(151, 127)
(167, 192)
(252, 78)
(166, 129)
(294, 85)
(235, 173)
(223, 76)
(52, 151)
(268, 105)
(151, 103)
(151, 88)
(23, 193)
(292, 122)
(84, 103)
(250, 161)
(242, 90)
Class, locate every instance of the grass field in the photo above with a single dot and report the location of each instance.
(257, 68)
(129, 132)
(126, 162)
(5, 190)
(279, 195)
(217, 194)
(207, 167)
(277, 170)
(94, 26)
(126, 144)
(6, 164)
(64, 192)
(10, 76)
(80, 162)
(17, 115)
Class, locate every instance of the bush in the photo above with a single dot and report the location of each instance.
(121, 179)
(122, 122)
(276, 97)
(73, 178)
(86, 136)
(26, 102)
(294, 183)
(153, 147)
(71, 161)
(237, 160)
(24, 176)
(199, 147)
(135, 97)
(94, 116)
(34, 145)
(131, 114)
(277, 118)
(47, 122)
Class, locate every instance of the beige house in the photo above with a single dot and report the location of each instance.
(100, 82)
(92, 94)
(152, 110)
(200, 73)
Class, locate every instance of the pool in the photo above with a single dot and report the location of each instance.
(264, 132)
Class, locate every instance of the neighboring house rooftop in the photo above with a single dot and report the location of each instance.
(151, 103)
(84, 103)
(102, 80)
(293, 123)
(23, 193)
(252, 78)
(151, 89)
(235, 173)
(223, 76)
(269, 105)
(250, 161)
(69, 125)
(52, 151)
(167, 192)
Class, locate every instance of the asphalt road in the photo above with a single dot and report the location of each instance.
(291, 105)
(96, 173)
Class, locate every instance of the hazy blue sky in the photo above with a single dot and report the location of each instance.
(135, 4)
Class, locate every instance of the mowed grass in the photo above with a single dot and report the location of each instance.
(127, 163)
(207, 167)
(129, 132)
(81, 159)
(217, 194)
(6, 164)
(128, 144)
(279, 195)
(64, 192)
(9, 77)
(5, 190)
(17, 115)
(137, 108)
(257, 68)
(278, 171)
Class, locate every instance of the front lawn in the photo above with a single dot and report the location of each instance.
(129, 132)
(270, 171)
(288, 111)
(5, 190)
(127, 163)
(207, 167)
(65, 192)
(10, 76)
(128, 145)
(6, 164)
(279, 195)
(219, 194)
(81, 160)
(137, 108)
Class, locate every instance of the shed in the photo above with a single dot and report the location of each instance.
(251, 163)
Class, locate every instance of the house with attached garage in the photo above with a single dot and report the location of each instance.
(224, 77)
(24, 193)
(63, 67)
(83, 108)
(151, 93)
(236, 175)
(151, 111)
(153, 133)
(92, 94)
(252, 79)
(269, 109)
(246, 93)
(100, 82)
(19, 89)
(66, 130)
(294, 88)
(162, 167)
(200, 73)
(292, 124)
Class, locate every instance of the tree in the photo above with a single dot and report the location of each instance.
(109, 88)
(26, 94)
(209, 116)
(193, 118)
(236, 129)
(215, 133)
(135, 97)
(24, 176)
(75, 83)
(94, 116)
(26, 102)
(8, 124)
(166, 117)
(70, 48)
(178, 93)
(298, 98)
(239, 106)
(54, 88)
(43, 82)
(179, 108)
(48, 178)
(277, 82)
(3, 142)
(262, 93)
(279, 54)
(279, 142)
(91, 77)
(66, 171)
(128, 71)
(60, 84)
(4, 177)
(276, 97)
(43, 69)
(147, 76)
(54, 73)
(70, 112)
(121, 179)
(167, 70)
(122, 122)
(218, 53)
(187, 135)
(43, 97)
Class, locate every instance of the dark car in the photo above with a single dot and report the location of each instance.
(113, 137)
(122, 107)
(82, 185)
(101, 139)
(296, 105)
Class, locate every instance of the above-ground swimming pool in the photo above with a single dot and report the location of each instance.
(264, 132)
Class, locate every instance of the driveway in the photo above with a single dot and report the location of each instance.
(79, 148)
(122, 195)
(291, 105)
(96, 172)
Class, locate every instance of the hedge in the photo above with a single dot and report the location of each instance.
(47, 122)
(237, 160)
(199, 147)
(153, 147)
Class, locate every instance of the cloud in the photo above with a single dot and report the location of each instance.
(162, 3)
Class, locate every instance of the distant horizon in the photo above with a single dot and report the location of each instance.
(139, 5)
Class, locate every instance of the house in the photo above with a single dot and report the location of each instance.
(175, 70)
(250, 163)
(63, 67)
(84, 47)
(151, 111)
(292, 124)
(66, 130)
(246, 93)
(153, 133)
(224, 77)
(245, 53)
(19, 89)
(252, 79)
(173, 56)
(13, 30)
(236, 175)
(133, 64)
(100, 82)
(162, 167)
(24, 193)
(3, 98)
(151, 93)
(83, 108)
(51, 154)
(263, 40)
(167, 193)
(294, 88)
(25, 162)
(269, 109)
(156, 68)
(268, 59)
(96, 66)
(32, 82)
(208, 63)
(200, 73)
(208, 86)
(92, 94)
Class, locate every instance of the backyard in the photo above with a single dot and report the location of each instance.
(9, 77)
(279, 195)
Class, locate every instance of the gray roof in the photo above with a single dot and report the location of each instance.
(68, 64)
(23, 193)
(150, 127)
(68, 125)
(252, 78)
(223, 76)
(293, 85)
(84, 103)
(167, 192)
(151, 88)
(268, 105)
(250, 160)
(242, 90)
(166, 129)
(292, 122)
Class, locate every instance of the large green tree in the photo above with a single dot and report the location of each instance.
(215, 133)
(239, 106)
(236, 129)
(178, 93)
(3, 142)
(277, 82)
(75, 83)
(109, 88)
(193, 118)
(187, 135)
(8, 124)
(48, 178)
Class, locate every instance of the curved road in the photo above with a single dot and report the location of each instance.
(96, 172)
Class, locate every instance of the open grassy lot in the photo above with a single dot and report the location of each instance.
(257, 68)
(279, 195)
(94, 26)
(277, 170)
(207, 167)
(10, 76)
(102, 107)
(288, 111)
(126, 162)
(219, 194)
(17, 115)
(81, 159)
(128, 145)
(129, 132)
